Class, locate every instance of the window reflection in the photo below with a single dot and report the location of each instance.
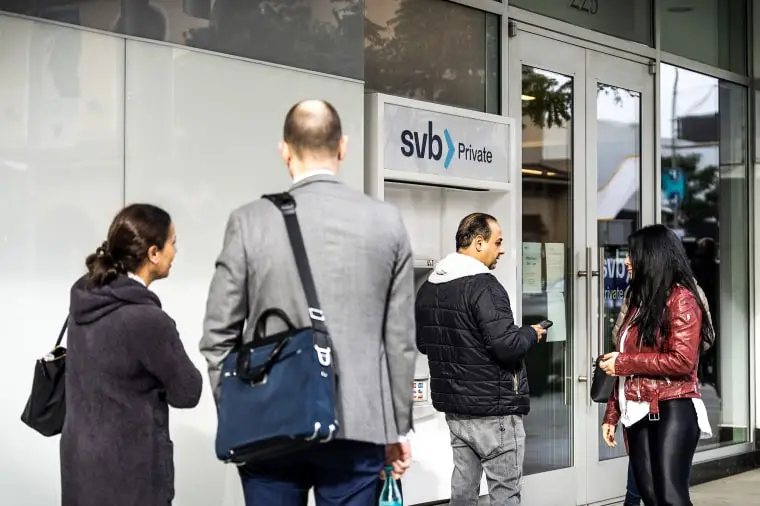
(320, 35)
(627, 19)
(710, 31)
(618, 207)
(704, 200)
(547, 147)
(433, 50)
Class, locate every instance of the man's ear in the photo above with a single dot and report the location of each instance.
(342, 148)
(284, 152)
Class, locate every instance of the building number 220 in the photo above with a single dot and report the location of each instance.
(590, 6)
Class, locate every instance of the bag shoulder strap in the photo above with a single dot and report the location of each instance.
(61, 333)
(287, 205)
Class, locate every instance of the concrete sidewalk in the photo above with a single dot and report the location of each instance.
(732, 491)
(741, 489)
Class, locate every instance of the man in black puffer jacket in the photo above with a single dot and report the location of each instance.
(477, 369)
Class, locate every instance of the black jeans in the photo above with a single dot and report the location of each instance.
(632, 497)
(661, 452)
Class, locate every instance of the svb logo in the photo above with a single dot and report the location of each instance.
(429, 145)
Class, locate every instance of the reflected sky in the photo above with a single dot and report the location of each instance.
(697, 94)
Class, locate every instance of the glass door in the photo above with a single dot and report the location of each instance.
(587, 134)
(551, 102)
(620, 198)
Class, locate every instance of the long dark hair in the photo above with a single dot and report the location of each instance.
(659, 263)
(133, 231)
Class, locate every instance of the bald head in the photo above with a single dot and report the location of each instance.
(312, 129)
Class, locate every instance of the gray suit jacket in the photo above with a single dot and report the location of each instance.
(361, 259)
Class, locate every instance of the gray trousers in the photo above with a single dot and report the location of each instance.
(494, 444)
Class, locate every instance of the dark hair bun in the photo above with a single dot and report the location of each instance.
(102, 266)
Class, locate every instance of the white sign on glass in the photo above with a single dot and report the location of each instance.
(555, 266)
(556, 311)
(531, 271)
(418, 140)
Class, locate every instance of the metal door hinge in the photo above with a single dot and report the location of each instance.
(652, 68)
(512, 29)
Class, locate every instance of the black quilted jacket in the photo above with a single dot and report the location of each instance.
(475, 351)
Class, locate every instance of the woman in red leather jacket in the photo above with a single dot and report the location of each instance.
(656, 395)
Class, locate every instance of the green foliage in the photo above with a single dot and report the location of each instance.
(701, 200)
(552, 101)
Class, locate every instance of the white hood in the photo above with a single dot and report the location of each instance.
(455, 266)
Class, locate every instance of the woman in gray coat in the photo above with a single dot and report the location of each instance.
(125, 366)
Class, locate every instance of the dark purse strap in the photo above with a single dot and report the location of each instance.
(62, 332)
(287, 205)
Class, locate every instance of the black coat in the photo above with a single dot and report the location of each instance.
(475, 351)
(125, 365)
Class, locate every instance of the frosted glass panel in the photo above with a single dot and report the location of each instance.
(201, 139)
(61, 181)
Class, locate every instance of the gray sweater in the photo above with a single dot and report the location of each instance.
(125, 366)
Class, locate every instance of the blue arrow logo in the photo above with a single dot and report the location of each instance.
(450, 145)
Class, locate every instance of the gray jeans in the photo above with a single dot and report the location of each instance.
(494, 444)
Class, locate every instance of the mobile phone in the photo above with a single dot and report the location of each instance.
(546, 324)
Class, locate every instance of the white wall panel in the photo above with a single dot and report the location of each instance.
(61, 181)
(201, 140)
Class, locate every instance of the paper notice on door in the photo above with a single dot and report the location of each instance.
(556, 312)
(555, 266)
(531, 267)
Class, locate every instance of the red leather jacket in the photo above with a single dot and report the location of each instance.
(666, 371)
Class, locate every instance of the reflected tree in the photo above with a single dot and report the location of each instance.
(286, 32)
(701, 199)
(426, 52)
(434, 51)
(698, 216)
(547, 102)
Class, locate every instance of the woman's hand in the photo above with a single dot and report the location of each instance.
(608, 363)
(608, 434)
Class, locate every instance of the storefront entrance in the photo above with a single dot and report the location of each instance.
(588, 177)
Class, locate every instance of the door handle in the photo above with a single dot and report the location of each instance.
(589, 316)
(601, 301)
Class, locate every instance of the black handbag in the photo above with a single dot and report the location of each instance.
(601, 384)
(45, 409)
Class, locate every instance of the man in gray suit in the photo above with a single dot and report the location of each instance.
(361, 259)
